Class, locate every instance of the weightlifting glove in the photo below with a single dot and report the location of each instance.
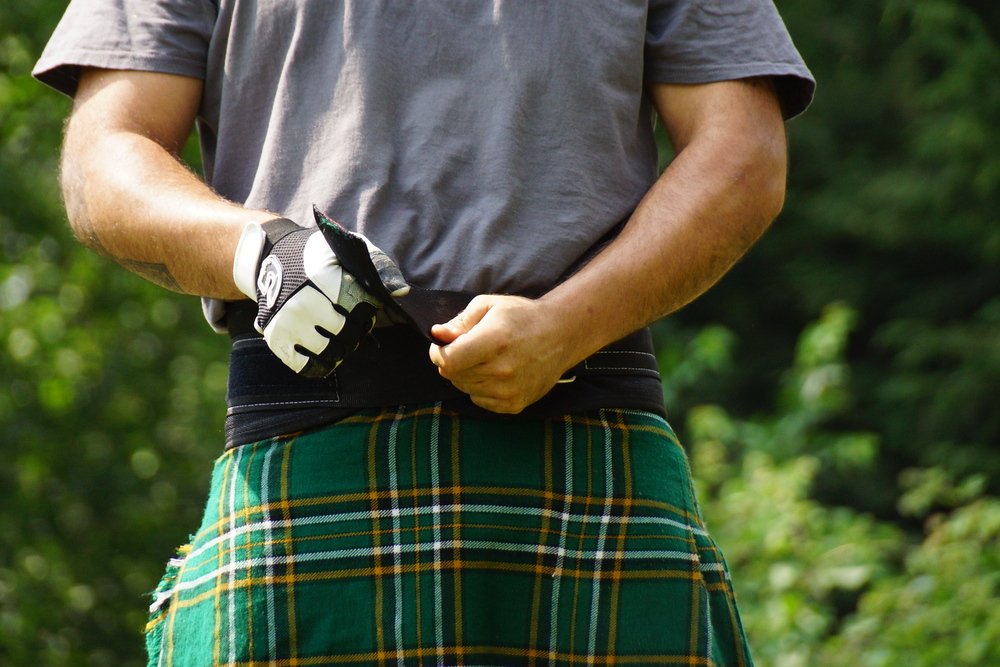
(311, 312)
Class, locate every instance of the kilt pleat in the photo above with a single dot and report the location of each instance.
(415, 536)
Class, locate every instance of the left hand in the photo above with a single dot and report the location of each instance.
(505, 352)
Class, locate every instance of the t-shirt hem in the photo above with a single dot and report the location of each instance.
(62, 72)
(795, 91)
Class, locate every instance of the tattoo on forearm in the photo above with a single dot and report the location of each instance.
(88, 236)
(85, 231)
(151, 271)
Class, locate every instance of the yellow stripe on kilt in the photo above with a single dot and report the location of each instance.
(416, 537)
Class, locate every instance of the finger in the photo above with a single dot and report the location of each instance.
(322, 266)
(451, 366)
(434, 352)
(295, 326)
(322, 365)
(389, 274)
(455, 371)
(472, 385)
(445, 334)
(487, 393)
(463, 322)
(499, 405)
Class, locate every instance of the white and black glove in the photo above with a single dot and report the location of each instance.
(311, 312)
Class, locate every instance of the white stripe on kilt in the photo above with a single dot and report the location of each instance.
(397, 561)
(235, 474)
(561, 554)
(602, 535)
(436, 518)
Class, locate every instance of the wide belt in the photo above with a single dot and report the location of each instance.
(391, 367)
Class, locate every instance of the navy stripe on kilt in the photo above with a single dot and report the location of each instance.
(414, 536)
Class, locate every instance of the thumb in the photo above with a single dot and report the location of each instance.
(463, 322)
(388, 272)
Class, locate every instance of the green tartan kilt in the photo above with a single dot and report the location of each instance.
(414, 536)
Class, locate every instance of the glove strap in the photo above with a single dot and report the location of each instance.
(255, 244)
(277, 229)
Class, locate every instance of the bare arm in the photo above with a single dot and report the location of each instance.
(719, 194)
(130, 198)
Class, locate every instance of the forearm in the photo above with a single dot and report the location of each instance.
(696, 221)
(689, 230)
(714, 201)
(133, 202)
(719, 194)
(130, 198)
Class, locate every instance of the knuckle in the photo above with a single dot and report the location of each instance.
(504, 372)
(478, 301)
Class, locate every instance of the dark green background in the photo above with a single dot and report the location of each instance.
(837, 391)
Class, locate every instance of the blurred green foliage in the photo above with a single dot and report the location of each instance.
(893, 209)
(837, 391)
(831, 585)
(111, 402)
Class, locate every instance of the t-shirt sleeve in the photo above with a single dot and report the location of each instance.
(701, 41)
(168, 36)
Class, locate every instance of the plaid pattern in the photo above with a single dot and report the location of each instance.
(414, 536)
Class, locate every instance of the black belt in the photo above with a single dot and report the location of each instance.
(392, 367)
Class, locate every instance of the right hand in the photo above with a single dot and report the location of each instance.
(310, 311)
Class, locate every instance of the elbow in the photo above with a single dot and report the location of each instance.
(73, 198)
(774, 186)
(73, 186)
(764, 178)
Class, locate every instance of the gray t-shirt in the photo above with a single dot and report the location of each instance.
(485, 145)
